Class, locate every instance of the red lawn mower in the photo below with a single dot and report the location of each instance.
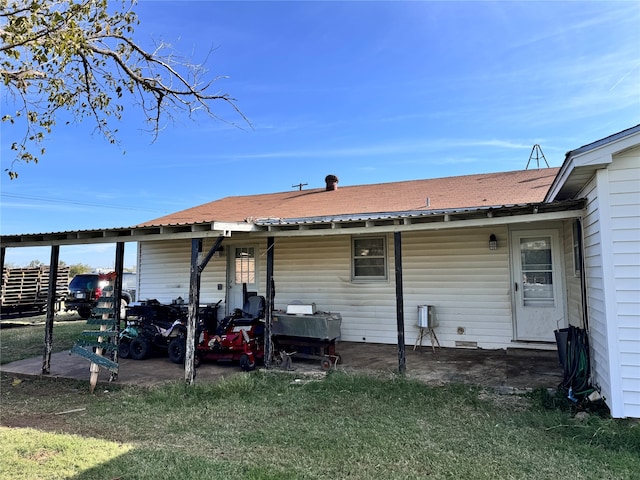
(236, 338)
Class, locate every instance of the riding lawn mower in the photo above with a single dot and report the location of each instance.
(238, 337)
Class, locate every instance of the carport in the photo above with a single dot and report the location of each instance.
(120, 236)
(199, 260)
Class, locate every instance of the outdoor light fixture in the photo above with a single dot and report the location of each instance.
(493, 242)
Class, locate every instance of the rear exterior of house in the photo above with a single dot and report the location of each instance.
(513, 294)
(567, 253)
(470, 287)
(503, 259)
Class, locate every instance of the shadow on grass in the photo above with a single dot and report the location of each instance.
(146, 464)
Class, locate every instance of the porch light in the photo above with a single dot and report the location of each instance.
(493, 242)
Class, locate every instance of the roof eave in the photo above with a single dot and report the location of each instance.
(588, 159)
(410, 215)
(128, 234)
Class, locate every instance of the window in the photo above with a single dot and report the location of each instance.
(577, 248)
(245, 258)
(537, 272)
(369, 258)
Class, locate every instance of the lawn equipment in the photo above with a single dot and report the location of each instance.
(152, 326)
(236, 338)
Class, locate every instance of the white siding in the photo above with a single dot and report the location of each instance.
(595, 290)
(454, 271)
(164, 267)
(612, 251)
(468, 285)
(624, 204)
(318, 269)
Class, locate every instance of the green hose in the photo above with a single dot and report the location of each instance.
(577, 368)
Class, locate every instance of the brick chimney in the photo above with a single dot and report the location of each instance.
(332, 182)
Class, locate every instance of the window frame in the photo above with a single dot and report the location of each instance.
(252, 265)
(577, 235)
(385, 257)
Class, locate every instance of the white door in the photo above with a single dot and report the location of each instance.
(242, 269)
(537, 285)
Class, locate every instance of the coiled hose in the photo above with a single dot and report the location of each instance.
(577, 367)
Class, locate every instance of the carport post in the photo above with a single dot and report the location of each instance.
(117, 284)
(2, 253)
(270, 297)
(51, 307)
(397, 252)
(194, 302)
(117, 299)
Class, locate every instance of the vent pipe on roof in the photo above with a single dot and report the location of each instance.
(332, 182)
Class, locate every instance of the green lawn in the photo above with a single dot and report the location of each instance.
(276, 426)
(28, 341)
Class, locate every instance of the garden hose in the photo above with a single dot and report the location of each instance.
(577, 366)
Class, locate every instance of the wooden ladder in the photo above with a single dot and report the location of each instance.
(94, 344)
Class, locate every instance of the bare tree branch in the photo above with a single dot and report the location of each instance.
(81, 57)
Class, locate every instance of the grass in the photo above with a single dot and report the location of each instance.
(273, 425)
(29, 454)
(27, 341)
(267, 425)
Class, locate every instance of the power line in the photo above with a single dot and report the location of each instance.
(75, 202)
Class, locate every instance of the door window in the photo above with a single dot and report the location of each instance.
(537, 272)
(245, 264)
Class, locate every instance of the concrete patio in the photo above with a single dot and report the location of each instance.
(505, 371)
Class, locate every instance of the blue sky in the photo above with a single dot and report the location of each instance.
(369, 91)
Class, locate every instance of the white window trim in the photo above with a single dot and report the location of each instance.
(385, 256)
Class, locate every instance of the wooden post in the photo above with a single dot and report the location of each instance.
(117, 282)
(3, 251)
(51, 306)
(397, 251)
(194, 301)
(117, 301)
(270, 297)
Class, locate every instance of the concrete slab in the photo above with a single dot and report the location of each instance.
(150, 372)
(503, 369)
(510, 370)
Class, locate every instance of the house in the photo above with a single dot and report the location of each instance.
(334, 246)
(503, 259)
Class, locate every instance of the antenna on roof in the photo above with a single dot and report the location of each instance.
(299, 185)
(537, 151)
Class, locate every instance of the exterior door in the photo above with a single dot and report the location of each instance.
(242, 269)
(537, 285)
